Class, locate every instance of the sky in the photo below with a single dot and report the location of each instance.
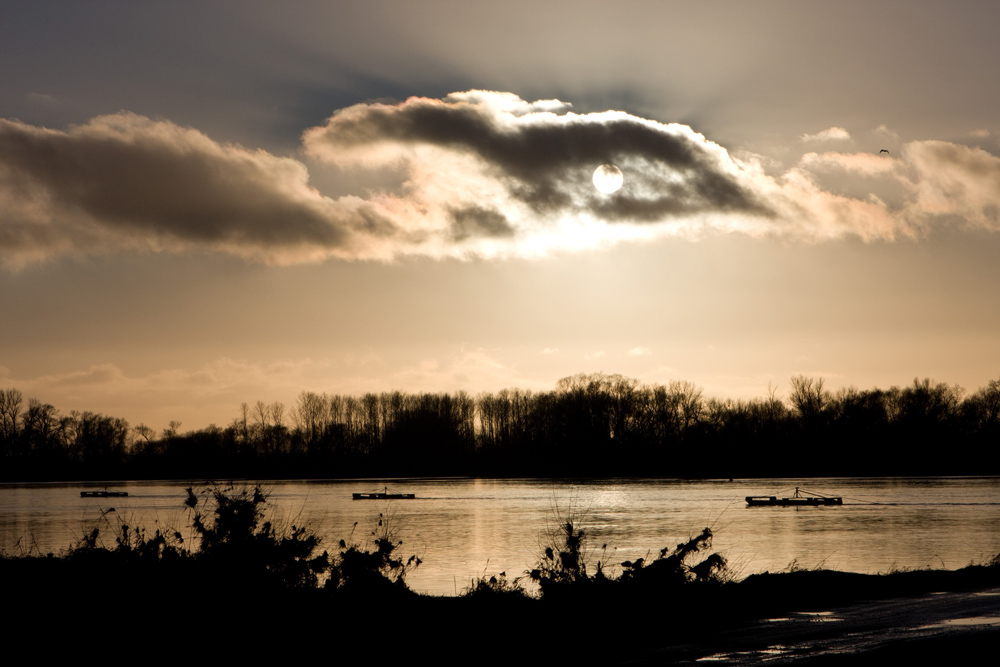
(210, 203)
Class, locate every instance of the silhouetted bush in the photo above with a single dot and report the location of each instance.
(375, 566)
(495, 587)
(236, 539)
(562, 569)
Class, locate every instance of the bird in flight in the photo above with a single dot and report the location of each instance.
(883, 151)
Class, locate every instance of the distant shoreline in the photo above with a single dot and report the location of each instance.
(590, 426)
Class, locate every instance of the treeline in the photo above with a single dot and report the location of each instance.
(589, 425)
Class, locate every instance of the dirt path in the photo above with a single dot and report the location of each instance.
(879, 630)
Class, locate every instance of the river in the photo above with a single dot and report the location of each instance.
(465, 528)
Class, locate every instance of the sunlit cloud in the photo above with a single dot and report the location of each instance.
(660, 374)
(471, 370)
(867, 164)
(954, 180)
(224, 379)
(490, 174)
(884, 131)
(485, 174)
(829, 134)
(639, 352)
(940, 181)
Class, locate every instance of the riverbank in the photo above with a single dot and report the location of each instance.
(940, 627)
(829, 617)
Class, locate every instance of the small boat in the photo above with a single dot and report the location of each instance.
(798, 500)
(104, 494)
(382, 495)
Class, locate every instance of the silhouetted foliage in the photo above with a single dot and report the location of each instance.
(238, 546)
(671, 566)
(563, 564)
(375, 565)
(494, 587)
(562, 569)
(237, 539)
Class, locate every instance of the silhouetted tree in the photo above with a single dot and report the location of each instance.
(10, 412)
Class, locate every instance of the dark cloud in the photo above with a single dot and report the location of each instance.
(544, 153)
(476, 222)
(127, 180)
(484, 173)
(133, 173)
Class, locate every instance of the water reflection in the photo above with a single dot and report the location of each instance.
(963, 622)
(465, 528)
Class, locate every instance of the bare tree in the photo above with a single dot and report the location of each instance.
(10, 410)
(984, 405)
(277, 414)
(172, 430)
(41, 426)
(807, 396)
(311, 416)
(144, 432)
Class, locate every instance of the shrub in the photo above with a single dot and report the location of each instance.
(238, 540)
(496, 586)
(372, 567)
(564, 567)
(671, 568)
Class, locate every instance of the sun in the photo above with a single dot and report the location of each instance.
(608, 178)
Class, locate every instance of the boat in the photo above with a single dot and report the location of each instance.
(382, 495)
(801, 498)
(104, 494)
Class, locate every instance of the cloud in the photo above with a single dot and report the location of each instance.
(221, 379)
(212, 392)
(485, 174)
(124, 181)
(499, 175)
(639, 352)
(471, 370)
(940, 183)
(867, 164)
(955, 181)
(829, 134)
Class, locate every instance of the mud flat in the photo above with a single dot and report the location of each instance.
(907, 618)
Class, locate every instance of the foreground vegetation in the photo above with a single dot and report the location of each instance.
(243, 584)
(590, 425)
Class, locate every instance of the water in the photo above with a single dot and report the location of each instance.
(464, 528)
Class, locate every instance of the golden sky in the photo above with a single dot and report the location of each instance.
(203, 204)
